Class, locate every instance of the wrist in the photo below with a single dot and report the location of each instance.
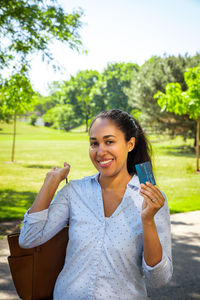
(52, 179)
(148, 222)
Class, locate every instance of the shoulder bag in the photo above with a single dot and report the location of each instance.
(34, 271)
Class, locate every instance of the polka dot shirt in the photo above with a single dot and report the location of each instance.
(104, 258)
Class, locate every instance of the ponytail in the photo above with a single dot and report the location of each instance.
(141, 152)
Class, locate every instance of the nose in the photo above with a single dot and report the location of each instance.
(101, 150)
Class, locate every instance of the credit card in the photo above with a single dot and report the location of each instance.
(145, 173)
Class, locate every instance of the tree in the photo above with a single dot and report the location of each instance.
(184, 102)
(16, 97)
(110, 90)
(78, 93)
(152, 77)
(27, 26)
(61, 117)
(44, 103)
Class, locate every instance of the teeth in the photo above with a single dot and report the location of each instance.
(105, 162)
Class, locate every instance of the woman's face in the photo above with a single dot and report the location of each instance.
(108, 148)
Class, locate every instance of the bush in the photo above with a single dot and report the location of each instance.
(61, 117)
(33, 119)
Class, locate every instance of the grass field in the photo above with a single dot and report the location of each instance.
(40, 148)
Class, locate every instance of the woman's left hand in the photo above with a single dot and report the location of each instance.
(153, 201)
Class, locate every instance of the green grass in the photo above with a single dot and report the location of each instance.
(39, 148)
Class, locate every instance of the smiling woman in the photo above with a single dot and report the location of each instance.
(118, 230)
(108, 148)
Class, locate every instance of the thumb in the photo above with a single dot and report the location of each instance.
(66, 164)
(144, 204)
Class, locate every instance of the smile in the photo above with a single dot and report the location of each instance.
(105, 163)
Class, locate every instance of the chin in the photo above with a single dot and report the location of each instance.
(108, 173)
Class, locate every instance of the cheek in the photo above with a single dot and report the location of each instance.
(91, 153)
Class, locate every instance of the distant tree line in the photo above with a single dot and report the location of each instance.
(126, 86)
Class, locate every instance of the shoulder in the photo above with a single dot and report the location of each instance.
(83, 181)
(79, 184)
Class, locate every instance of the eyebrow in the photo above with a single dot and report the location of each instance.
(105, 137)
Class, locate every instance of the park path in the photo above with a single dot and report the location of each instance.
(185, 284)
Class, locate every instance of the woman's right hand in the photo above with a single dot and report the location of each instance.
(59, 174)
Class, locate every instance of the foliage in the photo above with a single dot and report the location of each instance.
(27, 26)
(44, 103)
(183, 102)
(61, 117)
(16, 95)
(90, 92)
(33, 119)
(192, 79)
(109, 90)
(152, 77)
(78, 93)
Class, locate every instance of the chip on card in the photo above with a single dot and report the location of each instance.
(145, 173)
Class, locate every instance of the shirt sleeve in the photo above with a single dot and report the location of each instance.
(161, 273)
(41, 226)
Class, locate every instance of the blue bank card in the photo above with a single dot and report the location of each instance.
(145, 173)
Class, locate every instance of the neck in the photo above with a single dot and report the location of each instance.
(116, 182)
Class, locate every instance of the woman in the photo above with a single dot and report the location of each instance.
(118, 229)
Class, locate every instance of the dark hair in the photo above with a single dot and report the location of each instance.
(131, 128)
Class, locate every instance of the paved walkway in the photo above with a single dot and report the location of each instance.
(185, 284)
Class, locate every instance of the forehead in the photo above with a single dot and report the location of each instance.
(102, 127)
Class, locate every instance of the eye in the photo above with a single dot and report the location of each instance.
(93, 144)
(109, 142)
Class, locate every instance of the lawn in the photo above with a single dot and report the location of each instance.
(39, 148)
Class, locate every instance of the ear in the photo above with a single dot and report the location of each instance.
(131, 144)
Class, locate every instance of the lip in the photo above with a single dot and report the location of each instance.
(104, 163)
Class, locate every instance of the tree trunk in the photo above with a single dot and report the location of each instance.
(197, 144)
(14, 135)
(86, 122)
(87, 111)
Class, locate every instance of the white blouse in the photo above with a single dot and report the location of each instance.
(104, 258)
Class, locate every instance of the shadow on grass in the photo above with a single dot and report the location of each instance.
(38, 166)
(5, 133)
(187, 151)
(14, 204)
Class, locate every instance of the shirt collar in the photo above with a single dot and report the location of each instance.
(134, 182)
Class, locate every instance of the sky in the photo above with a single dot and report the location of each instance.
(123, 31)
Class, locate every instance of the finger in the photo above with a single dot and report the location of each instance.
(149, 184)
(149, 190)
(149, 202)
(152, 191)
(66, 164)
(151, 194)
(156, 204)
